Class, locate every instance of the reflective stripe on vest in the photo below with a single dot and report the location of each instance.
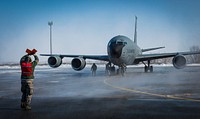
(26, 69)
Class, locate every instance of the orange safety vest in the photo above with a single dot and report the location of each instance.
(26, 69)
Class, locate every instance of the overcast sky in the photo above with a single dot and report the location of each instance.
(86, 26)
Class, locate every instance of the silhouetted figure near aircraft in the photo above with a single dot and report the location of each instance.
(93, 69)
(27, 77)
(108, 67)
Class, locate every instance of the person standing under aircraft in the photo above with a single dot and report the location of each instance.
(110, 69)
(27, 77)
(93, 69)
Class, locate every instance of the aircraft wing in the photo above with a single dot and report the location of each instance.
(145, 57)
(94, 57)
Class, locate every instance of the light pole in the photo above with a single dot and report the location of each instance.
(50, 24)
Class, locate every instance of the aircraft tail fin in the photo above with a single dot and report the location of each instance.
(149, 49)
(135, 34)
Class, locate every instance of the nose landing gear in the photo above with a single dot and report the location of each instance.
(110, 70)
(121, 70)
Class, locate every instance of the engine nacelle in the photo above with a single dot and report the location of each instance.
(54, 61)
(179, 61)
(78, 64)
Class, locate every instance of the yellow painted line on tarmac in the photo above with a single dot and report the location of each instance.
(147, 93)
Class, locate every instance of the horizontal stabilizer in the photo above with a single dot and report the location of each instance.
(149, 49)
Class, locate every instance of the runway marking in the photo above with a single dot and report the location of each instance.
(147, 93)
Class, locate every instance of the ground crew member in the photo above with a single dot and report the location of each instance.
(27, 76)
(108, 68)
(93, 69)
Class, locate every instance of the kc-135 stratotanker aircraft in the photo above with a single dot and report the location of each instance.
(122, 51)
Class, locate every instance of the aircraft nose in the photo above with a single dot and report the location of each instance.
(116, 50)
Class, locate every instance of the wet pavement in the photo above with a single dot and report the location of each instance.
(65, 93)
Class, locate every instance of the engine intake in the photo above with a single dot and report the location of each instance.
(78, 64)
(179, 61)
(54, 61)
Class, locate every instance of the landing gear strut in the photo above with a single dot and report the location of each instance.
(121, 70)
(110, 69)
(148, 67)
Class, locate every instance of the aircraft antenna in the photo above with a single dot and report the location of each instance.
(50, 24)
(135, 34)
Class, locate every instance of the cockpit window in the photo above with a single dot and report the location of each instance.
(121, 43)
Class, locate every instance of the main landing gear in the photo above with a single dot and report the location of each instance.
(148, 67)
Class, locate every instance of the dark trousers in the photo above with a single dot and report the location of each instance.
(27, 90)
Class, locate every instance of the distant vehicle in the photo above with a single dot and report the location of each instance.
(122, 51)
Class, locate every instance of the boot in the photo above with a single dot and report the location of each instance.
(23, 105)
(28, 107)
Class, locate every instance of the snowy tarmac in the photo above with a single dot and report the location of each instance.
(64, 93)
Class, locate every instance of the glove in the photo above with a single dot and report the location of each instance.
(28, 51)
(31, 52)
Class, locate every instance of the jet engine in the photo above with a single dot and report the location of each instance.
(54, 61)
(78, 63)
(179, 61)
